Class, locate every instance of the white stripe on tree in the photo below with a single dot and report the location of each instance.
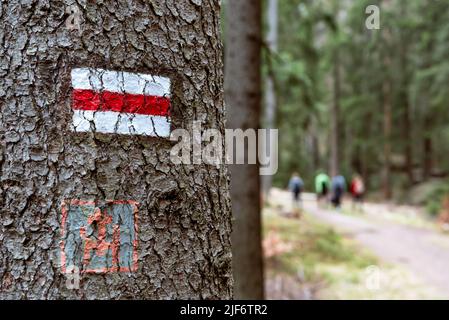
(120, 81)
(121, 123)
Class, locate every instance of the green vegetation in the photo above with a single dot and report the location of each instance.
(428, 194)
(434, 195)
(315, 244)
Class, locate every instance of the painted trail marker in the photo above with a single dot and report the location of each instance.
(99, 239)
(120, 102)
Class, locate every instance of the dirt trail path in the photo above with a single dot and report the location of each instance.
(423, 252)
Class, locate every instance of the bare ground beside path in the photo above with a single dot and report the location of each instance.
(425, 252)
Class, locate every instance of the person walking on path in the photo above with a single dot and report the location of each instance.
(338, 189)
(296, 186)
(322, 187)
(357, 190)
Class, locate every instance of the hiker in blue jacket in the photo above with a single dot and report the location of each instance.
(338, 189)
(296, 186)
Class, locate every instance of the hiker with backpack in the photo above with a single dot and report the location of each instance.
(322, 187)
(338, 189)
(296, 186)
(357, 190)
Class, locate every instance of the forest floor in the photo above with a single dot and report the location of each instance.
(384, 252)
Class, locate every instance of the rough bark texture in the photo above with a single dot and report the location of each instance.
(184, 211)
(243, 99)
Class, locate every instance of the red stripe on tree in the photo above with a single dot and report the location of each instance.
(90, 100)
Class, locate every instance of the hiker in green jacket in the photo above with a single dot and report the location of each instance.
(322, 186)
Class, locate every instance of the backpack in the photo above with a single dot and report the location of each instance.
(359, 187)
(296, 187)
(324, 187)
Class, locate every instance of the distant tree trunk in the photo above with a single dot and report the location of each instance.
(243, 99)
(405, 103)
(335, 117)
(407, 136)
(427, 150)
(356, 160)
(387, 116)
(427, 147)
(315, 149)
(270, 93)
(181, 234)
(387, 122)
(387, 138)
(366, 159)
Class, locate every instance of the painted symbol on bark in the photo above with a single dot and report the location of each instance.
(73, 22)
(120, 102)
(99, 238)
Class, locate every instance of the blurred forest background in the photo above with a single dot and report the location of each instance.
(346, 100)
(386, 89)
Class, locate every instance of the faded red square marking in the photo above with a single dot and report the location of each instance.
(99, 237)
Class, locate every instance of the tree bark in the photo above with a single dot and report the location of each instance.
(183, 219)
(243, 100)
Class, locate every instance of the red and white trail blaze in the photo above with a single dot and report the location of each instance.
(120, 102)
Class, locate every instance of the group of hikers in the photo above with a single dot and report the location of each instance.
(329, 190)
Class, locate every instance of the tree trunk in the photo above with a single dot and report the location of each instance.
(427, 117)
(316, 160)
(270, 93)
(366, 157)
(405, 103)
(427, 150)
(407, 136)
(387, 122)
(55, 180)
(387, 112)
(243, 98)
(335, 117)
